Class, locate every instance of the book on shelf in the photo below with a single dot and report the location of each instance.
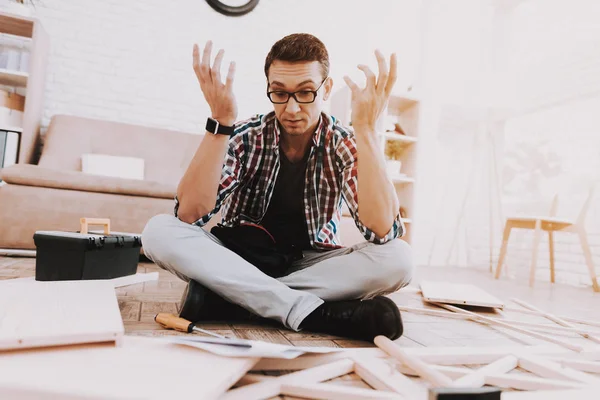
(9, 146)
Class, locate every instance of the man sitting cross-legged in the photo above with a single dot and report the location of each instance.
(289, 171)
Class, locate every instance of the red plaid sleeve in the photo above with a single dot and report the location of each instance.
(347, 160)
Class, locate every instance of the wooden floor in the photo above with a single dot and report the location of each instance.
(139, 303)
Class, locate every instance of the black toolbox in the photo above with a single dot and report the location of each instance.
(70, 256)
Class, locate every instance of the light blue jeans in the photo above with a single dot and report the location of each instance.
(362, 271)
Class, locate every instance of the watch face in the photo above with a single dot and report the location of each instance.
(212, 125)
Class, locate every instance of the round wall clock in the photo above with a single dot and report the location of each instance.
(239, 8)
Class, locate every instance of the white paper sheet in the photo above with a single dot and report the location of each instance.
(247, 348)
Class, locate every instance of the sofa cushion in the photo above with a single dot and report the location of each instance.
(33, 175)
(116, 166)
(166, 153)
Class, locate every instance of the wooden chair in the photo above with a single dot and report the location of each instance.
(551, 224)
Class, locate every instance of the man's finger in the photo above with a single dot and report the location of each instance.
(196, 64)
(195, 57)
(205, 66)
(393, 75)
(230, 76)
(383, 72)
(353, 86)
(371, 83)
(216, 69)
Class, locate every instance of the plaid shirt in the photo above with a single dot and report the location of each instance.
(250, 172)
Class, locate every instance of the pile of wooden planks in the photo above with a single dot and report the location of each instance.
(66, 340)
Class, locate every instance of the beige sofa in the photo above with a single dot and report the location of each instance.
(54, 194)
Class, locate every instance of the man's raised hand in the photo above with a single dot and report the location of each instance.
(218, 95)
(370, 101)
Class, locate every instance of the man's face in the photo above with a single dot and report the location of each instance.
(297, 118)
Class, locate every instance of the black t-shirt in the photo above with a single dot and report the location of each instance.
(285, 218)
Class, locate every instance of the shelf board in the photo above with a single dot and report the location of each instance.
(16, 25)
(10, 128)
(402, 179)
(13, 78)
(398, 137)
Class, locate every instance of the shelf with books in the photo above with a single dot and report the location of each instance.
(9, 146)
(26, 78)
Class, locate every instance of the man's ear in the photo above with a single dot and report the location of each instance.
(328, 86)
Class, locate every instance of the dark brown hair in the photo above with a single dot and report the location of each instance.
(299, 47)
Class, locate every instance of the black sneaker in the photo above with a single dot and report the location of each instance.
(201, 304)
(357, 319)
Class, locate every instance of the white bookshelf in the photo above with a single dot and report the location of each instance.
(28, 81)
(404, 109)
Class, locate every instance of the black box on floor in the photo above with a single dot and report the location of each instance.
(481, 393)
(69, 256)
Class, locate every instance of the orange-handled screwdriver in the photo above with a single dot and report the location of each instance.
(170, 321)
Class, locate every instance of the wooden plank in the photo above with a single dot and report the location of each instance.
(453, 315)
(512, 381)
(556, 319)
(566, 318)
(335, 392)
(16, 25)
(13, 78)
(476, 355)
(477, 377)
(270, 388)
(590, 393)
(431, 355)
(141, 368)
(382, 375)
(434, 377)
(514, 328)
(454, 293)
(519, 382)
(586, 366)
(450, 372)
(548, 369)
(313, 360)
(37, 314)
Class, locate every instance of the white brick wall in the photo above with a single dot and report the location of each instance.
(131, 61)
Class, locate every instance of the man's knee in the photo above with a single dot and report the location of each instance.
(155, 234)
(397, 266)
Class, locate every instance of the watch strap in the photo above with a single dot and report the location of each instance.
(213, 126)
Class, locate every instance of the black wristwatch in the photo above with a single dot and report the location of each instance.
(213, 126)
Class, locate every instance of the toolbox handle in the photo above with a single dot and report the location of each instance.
(85, 222)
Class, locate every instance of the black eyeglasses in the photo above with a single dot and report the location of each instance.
(301, 96)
